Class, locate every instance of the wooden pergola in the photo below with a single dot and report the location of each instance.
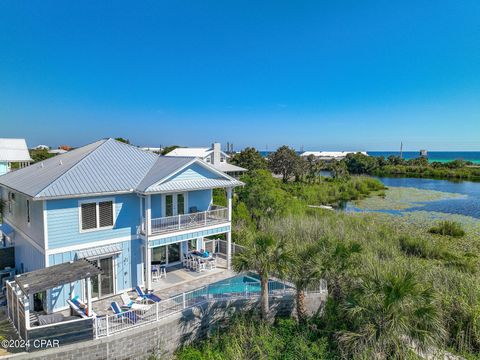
(48, 278)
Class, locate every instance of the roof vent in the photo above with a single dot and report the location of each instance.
(41, 164)
(60, 163)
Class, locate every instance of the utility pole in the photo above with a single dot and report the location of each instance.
(401, 150)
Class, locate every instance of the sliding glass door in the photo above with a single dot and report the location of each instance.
(167, 254)
(103, 284)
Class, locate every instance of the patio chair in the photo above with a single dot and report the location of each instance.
(185, 260)
(201, 266)
(212, 263)
(79, 308)
(129, 315)
(146, 296)
(130, 304)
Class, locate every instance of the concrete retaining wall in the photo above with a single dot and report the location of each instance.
(162, 338)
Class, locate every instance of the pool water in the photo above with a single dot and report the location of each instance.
(241, 283)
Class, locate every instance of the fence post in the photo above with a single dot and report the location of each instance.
(157, 305)
(184, 301)
(106, 321)
(179, 222)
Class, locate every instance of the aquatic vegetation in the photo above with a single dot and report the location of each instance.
(401, 198)
(450, 228)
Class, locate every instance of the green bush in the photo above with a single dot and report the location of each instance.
(449, 228)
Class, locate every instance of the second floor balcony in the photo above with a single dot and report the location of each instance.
(215, 215)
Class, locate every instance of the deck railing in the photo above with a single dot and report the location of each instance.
(214, 216)
(112, 324)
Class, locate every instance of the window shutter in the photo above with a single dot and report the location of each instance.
(105, 210)
(89, 216)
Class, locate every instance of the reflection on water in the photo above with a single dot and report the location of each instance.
(468, 205)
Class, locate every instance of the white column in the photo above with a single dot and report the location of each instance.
(26, 303)
(89, 297)
(229, 250)
(229, 203)
(148, 251)
(229, 234)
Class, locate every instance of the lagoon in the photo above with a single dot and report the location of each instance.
(410, 195)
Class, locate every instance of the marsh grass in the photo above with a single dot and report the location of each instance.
(448, 228)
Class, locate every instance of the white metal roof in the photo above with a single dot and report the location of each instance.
(191, 152)
(103, 167)
(187, 185)
(226, 167)
(14, 150)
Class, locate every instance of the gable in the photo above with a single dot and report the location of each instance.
(195, 172)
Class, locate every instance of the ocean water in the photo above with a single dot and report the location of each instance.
(441, 156)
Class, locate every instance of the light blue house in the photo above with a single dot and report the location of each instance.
(116, 205)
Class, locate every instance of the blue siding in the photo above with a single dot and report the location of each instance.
(156, 204)
(18, 217)
(188, 236)
(64, 227)
(201, 199)
(195, 172)
(127, 269)
(28, 255)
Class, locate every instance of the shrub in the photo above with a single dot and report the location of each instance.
(449, 228)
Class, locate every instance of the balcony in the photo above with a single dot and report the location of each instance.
(216, 215)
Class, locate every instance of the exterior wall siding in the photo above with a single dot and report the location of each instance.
(188, 236)
(64, 226)
(128, 269)
(18, 217)
(195, 172)
(201, 199)
(27, 256)
(156, 206)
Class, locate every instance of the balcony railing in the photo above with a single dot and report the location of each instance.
(167, 224)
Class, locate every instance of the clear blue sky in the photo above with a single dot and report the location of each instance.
(329, 75)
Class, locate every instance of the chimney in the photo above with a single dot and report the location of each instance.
(216, 153)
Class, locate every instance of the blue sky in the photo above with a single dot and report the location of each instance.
(328, 75)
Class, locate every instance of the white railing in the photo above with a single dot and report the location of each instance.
(112, 324)
(189, 221)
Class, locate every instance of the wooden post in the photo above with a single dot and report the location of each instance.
(89, 297)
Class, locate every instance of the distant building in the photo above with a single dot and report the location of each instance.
(423, 153)
(41, 147)
(156, 150)
(65, 147)
(57, 151)
(212, 155)
(13, 151)
(331, 155)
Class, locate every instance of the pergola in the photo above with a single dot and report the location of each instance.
(51, 277)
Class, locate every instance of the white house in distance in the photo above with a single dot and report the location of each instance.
(13, 151)
(213, 155)
(331, 155)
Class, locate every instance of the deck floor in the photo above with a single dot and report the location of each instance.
(177, 281)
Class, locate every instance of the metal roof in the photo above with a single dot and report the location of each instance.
(105, 166)
(14, 150)
(57, 275)
(99, 251)
(194, 185)
(226, 167)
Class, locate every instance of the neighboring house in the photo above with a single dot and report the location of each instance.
(116, 205)
(156, 150)
(57, 151)
(330, 155)
(213, 155)
(41, 147)
(13, 151)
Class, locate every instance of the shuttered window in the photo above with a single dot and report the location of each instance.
(105, 211)
(89, 216)
(97, 215)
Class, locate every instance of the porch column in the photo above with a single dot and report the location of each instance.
(229, 233)
(229, 203)
(229, 250)
(148, 267)
(89, 297)
(148, 251)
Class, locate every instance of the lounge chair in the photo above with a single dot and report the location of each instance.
(129, 315)
(130, 304)
(79, 308)
(146, 296)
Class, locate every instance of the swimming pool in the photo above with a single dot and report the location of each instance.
(241, 283)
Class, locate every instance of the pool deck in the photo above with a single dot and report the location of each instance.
(177, 281)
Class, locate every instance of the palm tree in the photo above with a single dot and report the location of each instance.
(267, 256)
(304, 270)
(391, 314)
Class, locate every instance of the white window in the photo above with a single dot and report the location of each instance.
(11, 200)
(28, 211)
(96, 215)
